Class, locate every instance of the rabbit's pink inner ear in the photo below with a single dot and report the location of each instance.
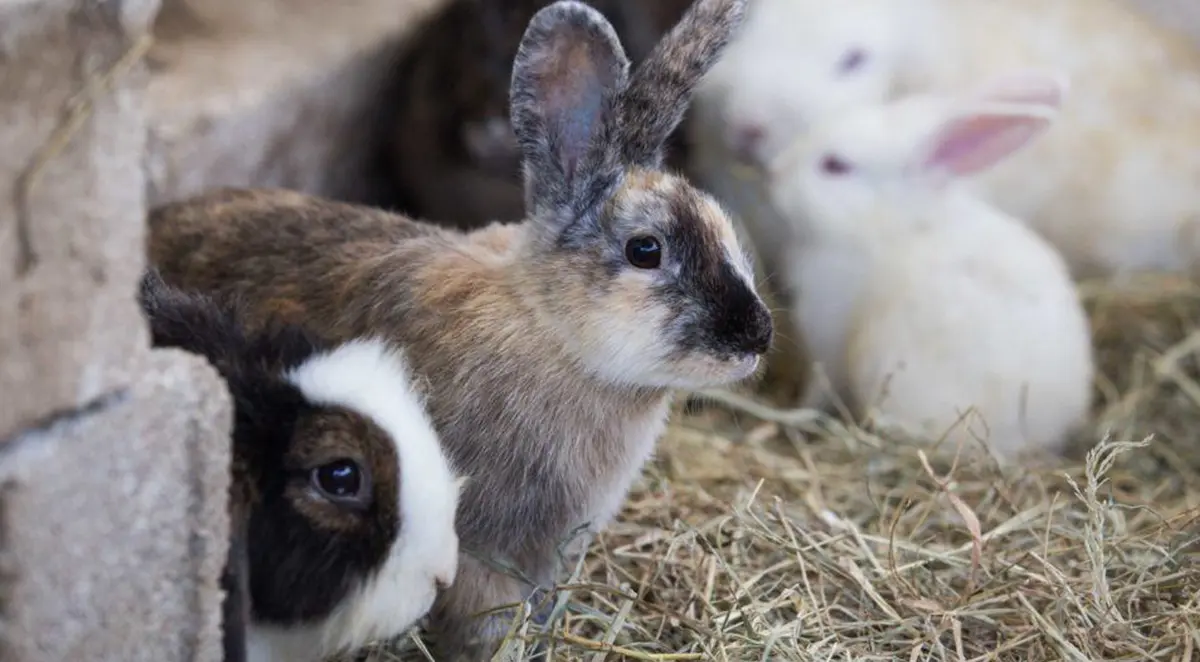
(971, 143)
(575, 76)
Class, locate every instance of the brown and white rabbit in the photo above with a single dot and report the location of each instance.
(553, 345)
(342, 501)
(450, 154)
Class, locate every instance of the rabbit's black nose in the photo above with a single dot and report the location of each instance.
(756, 339)
(745, 323)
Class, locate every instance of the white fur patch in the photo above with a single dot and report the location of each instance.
(741, 264)
(731, 242)
(370, 378)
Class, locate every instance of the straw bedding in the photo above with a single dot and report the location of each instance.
(767, 535)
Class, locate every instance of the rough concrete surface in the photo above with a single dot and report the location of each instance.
(268, 93)
(115, 524)
(72, 199)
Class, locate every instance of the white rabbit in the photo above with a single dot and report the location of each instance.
(918, 299)
(1115, 185)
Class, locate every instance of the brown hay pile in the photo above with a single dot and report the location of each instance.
(752, 540)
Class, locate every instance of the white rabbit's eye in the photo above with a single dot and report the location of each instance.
(831, 164)
(852, 60)
(340, 481)
(644, 252)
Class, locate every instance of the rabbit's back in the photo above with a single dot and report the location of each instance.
(975, 314)
(284, 254)
(1114, 183)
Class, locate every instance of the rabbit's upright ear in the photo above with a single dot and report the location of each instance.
(975, 137)
(569, 69)
(661, 88)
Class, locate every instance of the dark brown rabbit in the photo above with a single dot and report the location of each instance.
(342, 503)
(450, 156)
(549, 349)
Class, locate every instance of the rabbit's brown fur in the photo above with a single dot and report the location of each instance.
(549, 358)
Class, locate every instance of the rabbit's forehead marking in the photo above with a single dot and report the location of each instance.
(641, 179)
(703, 230)
(639, 201)
(698, 219)
(716, 304)
(699, 233)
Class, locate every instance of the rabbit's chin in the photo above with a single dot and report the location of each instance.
(701, 371)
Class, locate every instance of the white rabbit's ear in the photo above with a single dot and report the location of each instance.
(977, 137)
(999, 117)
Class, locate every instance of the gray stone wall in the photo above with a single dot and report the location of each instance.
(273, 92)
(112, 456)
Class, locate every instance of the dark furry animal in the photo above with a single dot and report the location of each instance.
(321, 509)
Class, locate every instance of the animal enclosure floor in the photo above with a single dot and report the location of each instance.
(752, 540)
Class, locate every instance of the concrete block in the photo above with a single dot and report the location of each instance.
(269, 93)
(72, 134)
(114, 524)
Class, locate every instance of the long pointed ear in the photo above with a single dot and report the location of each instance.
(996, 123)
(569, 69)
(661, 88)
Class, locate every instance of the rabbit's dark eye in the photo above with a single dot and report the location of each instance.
(644, 252)
(340, 480)
(832, 164)
(852, 60)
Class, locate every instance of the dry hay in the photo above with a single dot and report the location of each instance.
(752, 540)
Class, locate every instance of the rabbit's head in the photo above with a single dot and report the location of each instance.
(340, 484)
(638, 272)
(368, 505)
(796, 61)
(880, 167)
